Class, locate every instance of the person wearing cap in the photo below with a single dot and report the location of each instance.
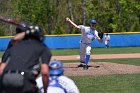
(18, 68)
(21, 32)
(12, 42)
(58, 83)
(107, 40)
(89, 33)
(19, 29)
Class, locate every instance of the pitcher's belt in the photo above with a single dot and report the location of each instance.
(86, 43)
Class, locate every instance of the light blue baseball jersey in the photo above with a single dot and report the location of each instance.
(88, 34)
(62, 84)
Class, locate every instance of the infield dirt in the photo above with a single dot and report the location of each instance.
(99, 68)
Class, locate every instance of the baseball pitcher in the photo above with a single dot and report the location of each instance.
(89, 33)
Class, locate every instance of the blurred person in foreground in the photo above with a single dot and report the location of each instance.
(58, 83)
(18, 68)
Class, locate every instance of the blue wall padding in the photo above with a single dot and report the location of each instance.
(4, 43)
(60, 42)
(55, 42)
(125, 40)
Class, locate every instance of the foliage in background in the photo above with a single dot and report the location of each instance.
(111, 15)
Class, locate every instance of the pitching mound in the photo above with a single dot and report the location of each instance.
(100, 68)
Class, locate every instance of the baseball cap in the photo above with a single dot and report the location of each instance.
(93, 21)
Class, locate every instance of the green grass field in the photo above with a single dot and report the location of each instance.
(58, 52)
(129, 83)
(97, 51)
(131, 61)
(109, 84)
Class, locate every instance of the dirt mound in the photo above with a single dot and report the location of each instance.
(99, 68)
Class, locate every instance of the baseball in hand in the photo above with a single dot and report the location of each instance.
(67, 19)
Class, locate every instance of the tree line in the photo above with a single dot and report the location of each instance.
(111, 15)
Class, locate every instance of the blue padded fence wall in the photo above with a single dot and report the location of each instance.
(4, 43)
(62, 42)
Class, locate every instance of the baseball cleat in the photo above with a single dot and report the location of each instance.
(82, 62)
(80, 65)
(85, 67)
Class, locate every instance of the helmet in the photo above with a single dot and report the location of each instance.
(93, 21)
(35, 32)
(21, 28)
(38, 31)
(56, 68)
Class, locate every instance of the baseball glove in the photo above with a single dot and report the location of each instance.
(100, 34)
